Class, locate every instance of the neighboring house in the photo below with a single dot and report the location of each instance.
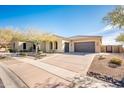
(90, 44)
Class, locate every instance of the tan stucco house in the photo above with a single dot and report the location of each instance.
(90, 44)
(85, 44)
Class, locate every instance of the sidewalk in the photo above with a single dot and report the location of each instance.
(63, 73)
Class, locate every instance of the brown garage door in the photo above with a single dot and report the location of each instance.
(84, 47)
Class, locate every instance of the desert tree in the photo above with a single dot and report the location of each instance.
(116, 18)
(120, 38)
(38, 37)
(31, 35)
(5, 37)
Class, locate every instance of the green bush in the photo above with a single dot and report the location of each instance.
(2, 57)
(116, 61)
(12, 50)
(22, 54)
(24, 51)
(40, 52)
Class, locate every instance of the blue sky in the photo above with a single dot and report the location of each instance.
(62, 20)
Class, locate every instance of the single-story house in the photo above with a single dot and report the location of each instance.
(90, 44)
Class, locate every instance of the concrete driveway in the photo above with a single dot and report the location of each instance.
(36, 73)
(65, 66)
(16, 74)
(74, 62)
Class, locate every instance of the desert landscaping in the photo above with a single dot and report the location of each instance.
(30, 75)
(109, 68)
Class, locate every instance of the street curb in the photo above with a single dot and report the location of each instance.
(10, 79)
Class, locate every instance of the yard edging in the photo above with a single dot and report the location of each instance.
(106, 78)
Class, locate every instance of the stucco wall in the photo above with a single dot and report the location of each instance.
(60, 45)
(45, 46)
(14, 45)
(115, 48)
(19, 46)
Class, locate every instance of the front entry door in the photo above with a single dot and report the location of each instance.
(66, 47)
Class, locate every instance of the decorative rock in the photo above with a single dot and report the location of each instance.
(81, 78)
(77, 77)
(106, 78)
(89, 82)
(76, 81)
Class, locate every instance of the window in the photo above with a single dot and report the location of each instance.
(51, 45)
(24, 45)
(56, 44)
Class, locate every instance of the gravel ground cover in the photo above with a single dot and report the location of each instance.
(100, 68)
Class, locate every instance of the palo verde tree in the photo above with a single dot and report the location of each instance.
(32, 35)
(116, 18)
(5, 37)
(8, 35)
(37, 37)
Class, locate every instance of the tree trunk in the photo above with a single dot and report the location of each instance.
(36, 48)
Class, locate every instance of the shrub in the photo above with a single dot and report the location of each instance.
(2, 57)
(24, 51)
(101, 57)
(116, 61)
(12, 50)
(22, 54)
(40, 52)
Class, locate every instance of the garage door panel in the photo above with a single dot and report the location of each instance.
(84, 47)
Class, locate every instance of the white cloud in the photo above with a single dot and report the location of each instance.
(109, 34)
(110, 39)
(108, 28)
(104, 30)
